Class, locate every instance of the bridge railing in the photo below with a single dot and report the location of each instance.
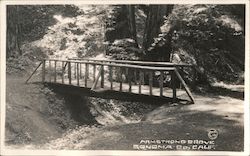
(124, 76)
(190, 69)
(143, 63)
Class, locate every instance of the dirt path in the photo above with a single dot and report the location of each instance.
(36, 116)
(175, 122)
(181, 122)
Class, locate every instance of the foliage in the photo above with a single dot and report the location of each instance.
(77, 32)
(124, 49)
(210, 37)
(34, 20)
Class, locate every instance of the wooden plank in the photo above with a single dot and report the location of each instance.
(173, 82)
(150, 82)
(62, 72)
(55, 74)
(102, 76)
(120, 78)
(34, 72)
(77, 74)
(140, 80)
(50, 71)
(111, 77)
(69, 72)
(185, 86)
(161, 84)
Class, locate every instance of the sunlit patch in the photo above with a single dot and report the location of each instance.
(226, 20)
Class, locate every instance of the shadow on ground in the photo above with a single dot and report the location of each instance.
(167, 123)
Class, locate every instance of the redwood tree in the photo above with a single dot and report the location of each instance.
(13, 31)
(131, 22)
(155, 17)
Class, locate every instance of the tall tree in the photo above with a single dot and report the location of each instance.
(131, 22)
(154, 20)
(13, 31)
(30, 22)
(121, 24)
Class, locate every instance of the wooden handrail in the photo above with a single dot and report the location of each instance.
(137, 62)
(34, 71)
(119, 65)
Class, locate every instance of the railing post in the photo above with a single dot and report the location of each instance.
(129, 80)
(80, 71)
(135, 76)
(120, 77)
(141, 75)
(62, 72)
(94, 72)
(102, 76)
(43, 71)
(161, 84)
(111, 77)
(69, 72)
(75, 71)
(50, 71)
(87, 68)
(77, 74)
(55, 72)
(150, 82)
(86, 75)
(173, 82)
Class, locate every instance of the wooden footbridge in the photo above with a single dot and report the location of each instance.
(136, 77)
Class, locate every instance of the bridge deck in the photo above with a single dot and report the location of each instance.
(167, 92)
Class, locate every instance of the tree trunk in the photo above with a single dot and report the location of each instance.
(131, 22)
(13, 32)
(153, 23)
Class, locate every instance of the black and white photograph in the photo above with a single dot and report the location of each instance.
(124, 78)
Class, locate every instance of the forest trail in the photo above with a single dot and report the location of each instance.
(38, 118)
(175, 121)
(170, 122)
